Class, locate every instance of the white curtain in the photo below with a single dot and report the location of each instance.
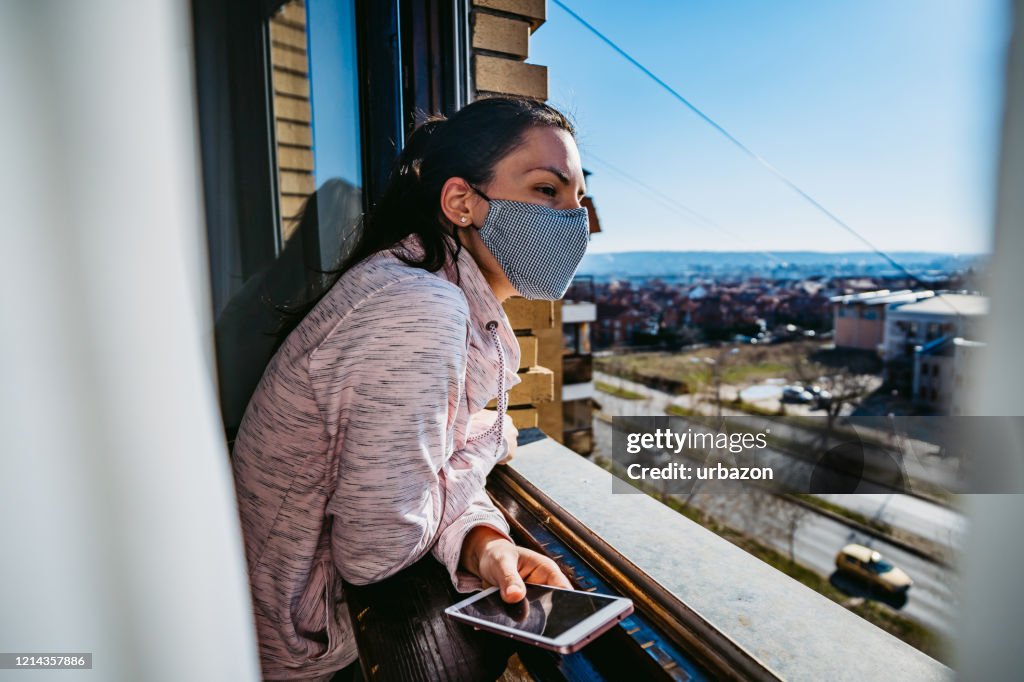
(119, 526)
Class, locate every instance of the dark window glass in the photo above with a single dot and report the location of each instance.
(290, 82)
(569, 339)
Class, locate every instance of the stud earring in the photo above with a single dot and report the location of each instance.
(462, 219)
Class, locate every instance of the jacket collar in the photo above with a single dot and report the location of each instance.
(482, 363)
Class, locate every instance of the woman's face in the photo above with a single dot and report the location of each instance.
(545, 169)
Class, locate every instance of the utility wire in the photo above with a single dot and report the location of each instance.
(675, 205)
(748, 151)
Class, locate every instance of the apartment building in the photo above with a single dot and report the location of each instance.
(859, 319)
(918, 323)
(579, 314)
(943, 373)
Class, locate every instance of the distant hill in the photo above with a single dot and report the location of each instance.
(779, 264)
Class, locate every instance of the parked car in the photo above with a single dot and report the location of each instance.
(868, 564)
(796, 393)
(822, 397)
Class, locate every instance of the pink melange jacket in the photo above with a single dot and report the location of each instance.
(366, 445)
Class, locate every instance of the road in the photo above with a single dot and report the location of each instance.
(914, 515)
(941, 525)
(921, 461)
(932, 599)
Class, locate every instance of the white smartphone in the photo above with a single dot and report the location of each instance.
(549, 617)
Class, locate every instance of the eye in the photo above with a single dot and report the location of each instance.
(548, 190)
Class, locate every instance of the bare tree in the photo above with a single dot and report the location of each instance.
(717, 365)
(848, 377)
(789, 515)
(847, 388)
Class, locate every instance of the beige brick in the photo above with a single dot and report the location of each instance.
(550, 419)
(291, 109)
(526, 314)
(499, 34)
(292, 13)
(289, 60)
(288, 36)
(523, 417)
(286, 83)
(288, 227)
(295, 134)
(294, 158)
(533, 10)
(291, 206)
(293, 182)
(537, 386)
(499, 75)
(527, 350)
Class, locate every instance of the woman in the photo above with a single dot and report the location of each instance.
(366, 444)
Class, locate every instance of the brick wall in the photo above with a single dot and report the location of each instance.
(292, 113)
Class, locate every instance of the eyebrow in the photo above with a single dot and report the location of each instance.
(562, 175)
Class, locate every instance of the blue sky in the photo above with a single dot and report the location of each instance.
(887, 113)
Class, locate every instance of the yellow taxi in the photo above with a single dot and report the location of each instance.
(866, 563)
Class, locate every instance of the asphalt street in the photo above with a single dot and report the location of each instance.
(931, 601)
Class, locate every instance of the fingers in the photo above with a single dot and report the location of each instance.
(507, 566)
(544, 571)
(511, 584)
(511, 451)
(509, 429)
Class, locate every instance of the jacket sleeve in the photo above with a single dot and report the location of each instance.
(396, 369)
(478, 510)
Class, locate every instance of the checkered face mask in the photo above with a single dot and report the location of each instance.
(538, 247)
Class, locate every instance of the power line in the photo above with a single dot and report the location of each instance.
(675, 205)
(748, 151)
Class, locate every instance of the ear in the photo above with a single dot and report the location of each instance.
(459, 203)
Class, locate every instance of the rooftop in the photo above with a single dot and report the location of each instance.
(946, 304)
(882, 296)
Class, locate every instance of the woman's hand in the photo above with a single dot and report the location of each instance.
(511, 434)
(490, 556)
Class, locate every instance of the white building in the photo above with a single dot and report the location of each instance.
(943, 371)
(579, 314)
(918, 323)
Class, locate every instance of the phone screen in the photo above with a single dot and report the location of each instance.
(544, 612)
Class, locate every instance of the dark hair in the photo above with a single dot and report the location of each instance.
(467, 145)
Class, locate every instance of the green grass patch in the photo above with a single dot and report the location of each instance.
(748, 373)
(750, 408)
(681, 411)
(749, 364)
(617, 392)
(879, 526)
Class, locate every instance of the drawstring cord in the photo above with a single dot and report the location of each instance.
(492, 327)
